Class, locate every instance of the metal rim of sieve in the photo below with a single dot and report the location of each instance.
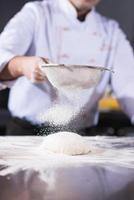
(76, 66)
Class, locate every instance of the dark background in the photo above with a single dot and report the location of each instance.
(121, 10)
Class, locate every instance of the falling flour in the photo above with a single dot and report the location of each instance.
(58, 115)
(71, 85)
(67, 109)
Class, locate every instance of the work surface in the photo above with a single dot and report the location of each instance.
(29, 174)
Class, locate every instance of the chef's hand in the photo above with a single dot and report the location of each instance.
(28, 66)
(32, 69)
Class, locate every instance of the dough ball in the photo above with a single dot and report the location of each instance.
(65, 143)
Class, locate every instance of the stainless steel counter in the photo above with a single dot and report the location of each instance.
(29, 174)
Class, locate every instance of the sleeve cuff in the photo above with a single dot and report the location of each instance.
(5, 58)
(3, 86)
(6, 84)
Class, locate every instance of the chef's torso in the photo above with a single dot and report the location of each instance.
(59, 36)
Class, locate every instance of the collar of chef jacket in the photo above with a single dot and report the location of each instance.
(71, 12)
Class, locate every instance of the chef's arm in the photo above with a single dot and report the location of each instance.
(123, 78)
(15, 41)
(23, 66)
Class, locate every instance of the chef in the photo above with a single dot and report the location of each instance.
(69, 32)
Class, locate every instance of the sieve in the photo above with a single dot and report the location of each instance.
(73, 77)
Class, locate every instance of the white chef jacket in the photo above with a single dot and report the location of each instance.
(50, 29)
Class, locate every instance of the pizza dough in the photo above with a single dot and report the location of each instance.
(66, 143)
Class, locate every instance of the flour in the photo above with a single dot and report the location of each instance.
(58, 115)
(67, 109)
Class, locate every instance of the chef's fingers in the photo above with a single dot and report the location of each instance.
(37, 76)
(36, 79)
(38, 71)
